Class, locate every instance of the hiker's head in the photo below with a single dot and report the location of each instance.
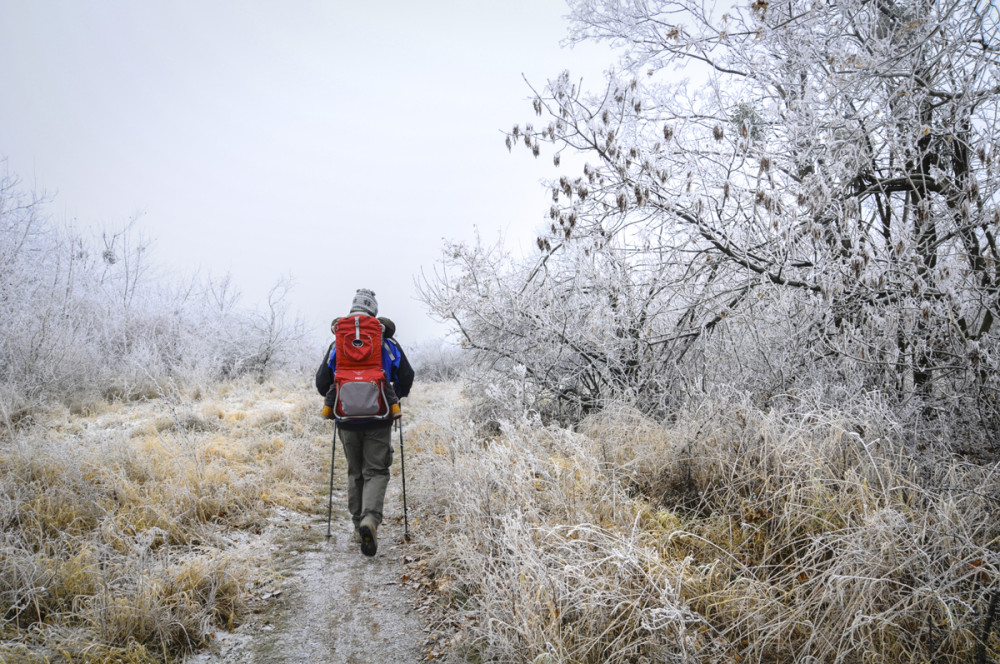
(364, 303)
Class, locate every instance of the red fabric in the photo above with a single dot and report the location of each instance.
(359, 342)
(359, 359)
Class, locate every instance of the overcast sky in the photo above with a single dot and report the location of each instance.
(334, 143)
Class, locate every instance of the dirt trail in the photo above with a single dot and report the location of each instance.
(335, 605)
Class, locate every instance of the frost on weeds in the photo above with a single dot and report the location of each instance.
(733, 534)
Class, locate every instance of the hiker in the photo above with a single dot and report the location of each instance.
(367, 441)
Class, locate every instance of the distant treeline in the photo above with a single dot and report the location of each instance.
(91, 317)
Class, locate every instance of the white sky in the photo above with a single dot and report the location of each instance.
(333, 142)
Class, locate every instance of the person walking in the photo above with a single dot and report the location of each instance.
(367, 443)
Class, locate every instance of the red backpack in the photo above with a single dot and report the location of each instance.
(359, 379)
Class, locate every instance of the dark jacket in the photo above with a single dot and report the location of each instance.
(400, 376)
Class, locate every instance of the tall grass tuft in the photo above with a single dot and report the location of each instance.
(732, 534)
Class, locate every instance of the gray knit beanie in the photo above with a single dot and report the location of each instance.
(364, 303)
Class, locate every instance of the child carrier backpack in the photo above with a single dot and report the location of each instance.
(359, 380)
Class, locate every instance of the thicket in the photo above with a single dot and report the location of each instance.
(799, 199)
(84, 319)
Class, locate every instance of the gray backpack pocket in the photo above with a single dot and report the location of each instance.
(360, 399)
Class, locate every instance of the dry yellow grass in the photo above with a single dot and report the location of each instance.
(117, 520)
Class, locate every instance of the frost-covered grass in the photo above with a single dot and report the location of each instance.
(731, 535)
(119, 520)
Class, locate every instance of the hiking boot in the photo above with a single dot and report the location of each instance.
(369, 542)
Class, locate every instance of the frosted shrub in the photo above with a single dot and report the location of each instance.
(782, 195)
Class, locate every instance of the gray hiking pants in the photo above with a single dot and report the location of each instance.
(369, 455)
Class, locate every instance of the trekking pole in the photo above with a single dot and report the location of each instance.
(333, 457)
(402, 461)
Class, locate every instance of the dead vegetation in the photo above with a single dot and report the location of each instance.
(121, 521)
(731, 535)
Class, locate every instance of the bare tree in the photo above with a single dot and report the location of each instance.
(832, 161)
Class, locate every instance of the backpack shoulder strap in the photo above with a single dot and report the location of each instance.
(389, 348)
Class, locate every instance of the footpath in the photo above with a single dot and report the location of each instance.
(334, 605)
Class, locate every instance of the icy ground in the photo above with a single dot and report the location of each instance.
(335, 606)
